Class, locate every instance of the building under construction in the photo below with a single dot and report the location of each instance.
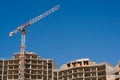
(29, 66)
(85, 69)
(37, 68)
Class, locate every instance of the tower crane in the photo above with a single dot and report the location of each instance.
(22, 29)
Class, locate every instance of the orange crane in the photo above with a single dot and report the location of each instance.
(22, 29)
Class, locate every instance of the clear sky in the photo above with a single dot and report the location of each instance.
(80, 29)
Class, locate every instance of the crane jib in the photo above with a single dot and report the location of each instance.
(23, 37)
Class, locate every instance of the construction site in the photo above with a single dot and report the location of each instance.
(36, 68)
(29, 66)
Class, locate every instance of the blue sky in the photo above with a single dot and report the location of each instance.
(80, 29)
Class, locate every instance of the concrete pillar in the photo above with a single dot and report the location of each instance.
(47, 69)
(96, 73)
(2, 69)
(72, 75)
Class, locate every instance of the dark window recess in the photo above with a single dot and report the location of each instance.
(85, 62)
(68, 65)
(80, 63)
(49, 66)
(74, 64)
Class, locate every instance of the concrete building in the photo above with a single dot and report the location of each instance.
(83, 69)
(37, 68)
(115, 75)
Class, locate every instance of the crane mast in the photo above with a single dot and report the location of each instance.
(22, 29)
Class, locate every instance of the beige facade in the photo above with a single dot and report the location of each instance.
(83, 69)
(37, 68)
(115, 75)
